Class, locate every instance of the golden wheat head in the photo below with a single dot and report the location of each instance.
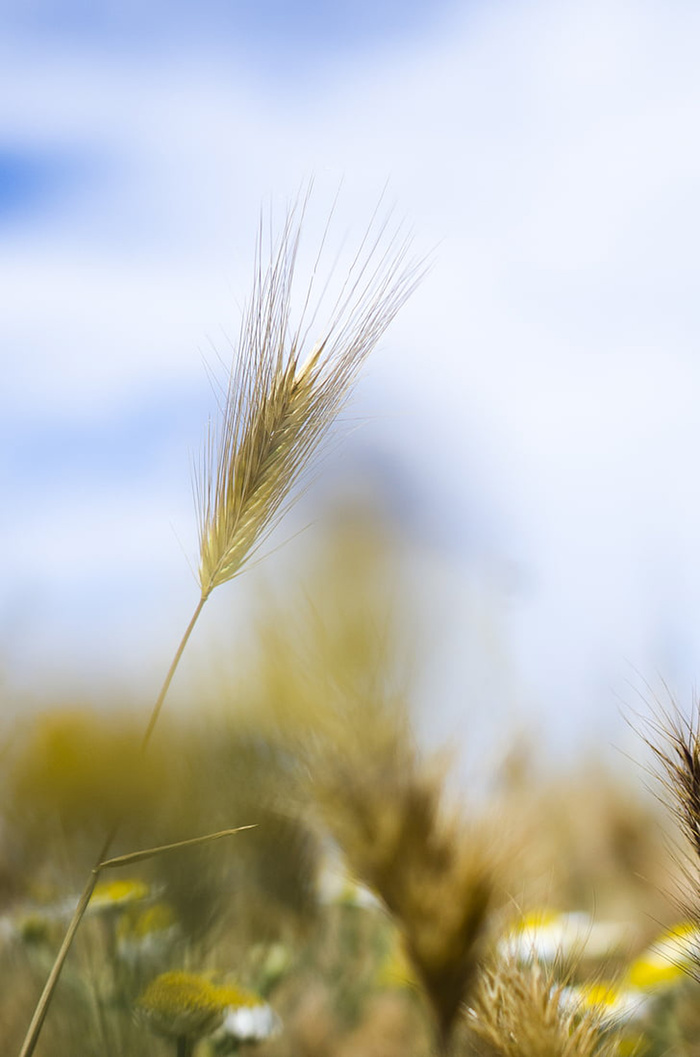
(518, 1012)
(286, 387)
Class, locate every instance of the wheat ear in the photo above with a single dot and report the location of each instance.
(280, 401)
(517, 1011)
(282, 397)
(675, 742)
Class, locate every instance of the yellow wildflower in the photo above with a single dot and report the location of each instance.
(156, 918)
(668, 961)
(247, 1017)
(251, 1023)
(613, 1004)
(116, 894)
(182, 1005)
(145, 930)
(548, 936)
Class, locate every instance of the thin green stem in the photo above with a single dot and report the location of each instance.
(150, 853)
(171, 672)
(184, 1047)
(42, 1006)
(50, 986)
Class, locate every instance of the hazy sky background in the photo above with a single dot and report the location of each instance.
(533, 412)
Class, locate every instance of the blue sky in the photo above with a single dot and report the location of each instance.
(266, 25)
(535, 406)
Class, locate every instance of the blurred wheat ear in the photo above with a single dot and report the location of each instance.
(437, 873)
(675, 742)
(281, 398)
(517, 1011)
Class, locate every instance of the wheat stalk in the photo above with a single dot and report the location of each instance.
(282, 396)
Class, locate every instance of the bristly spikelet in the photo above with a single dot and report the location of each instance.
(283, 395)
(675, 742)
(518, 1011)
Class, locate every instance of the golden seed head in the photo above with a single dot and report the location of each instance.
(523, 1011)
(281, 399)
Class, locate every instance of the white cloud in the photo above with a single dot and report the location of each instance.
(549, 150)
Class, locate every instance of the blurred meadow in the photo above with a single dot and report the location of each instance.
(427, 780)
(378, 906)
